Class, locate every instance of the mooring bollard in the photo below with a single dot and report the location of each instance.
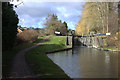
(67, 41)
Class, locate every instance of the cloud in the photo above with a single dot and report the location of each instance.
(34, 13)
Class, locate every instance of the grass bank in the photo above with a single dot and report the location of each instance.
(40, 64)
(111, 49)
(38, 40)
(7, 56)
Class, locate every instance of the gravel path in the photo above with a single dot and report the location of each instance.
(20, 68)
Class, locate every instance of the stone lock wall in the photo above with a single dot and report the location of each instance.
(92, 41)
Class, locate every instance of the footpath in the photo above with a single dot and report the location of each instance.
(20, 68)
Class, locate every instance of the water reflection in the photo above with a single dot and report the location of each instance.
(107, 58)
(83, 62)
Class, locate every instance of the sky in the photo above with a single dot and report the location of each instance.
(34, 14)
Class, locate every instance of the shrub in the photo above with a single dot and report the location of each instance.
(112, 41)
(42, 32)
(27, 36)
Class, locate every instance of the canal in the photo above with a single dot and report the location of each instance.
(84, 62)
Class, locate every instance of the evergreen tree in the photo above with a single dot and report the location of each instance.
(65, 24)
(9, 26)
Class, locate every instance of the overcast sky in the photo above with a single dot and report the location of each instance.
(33, 14)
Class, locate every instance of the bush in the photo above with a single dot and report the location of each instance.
(27, 36)
(42, 32)
(112, 41)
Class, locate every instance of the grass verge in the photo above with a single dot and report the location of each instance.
(40, 64)
(111, 48)
(7, 56)
(38, 40)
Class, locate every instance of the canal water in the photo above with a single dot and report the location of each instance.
(84, 62)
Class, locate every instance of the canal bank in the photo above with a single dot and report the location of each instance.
(80, 62)
(109, 49)
(41, 65)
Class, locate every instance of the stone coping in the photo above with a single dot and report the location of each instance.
(59, 50)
